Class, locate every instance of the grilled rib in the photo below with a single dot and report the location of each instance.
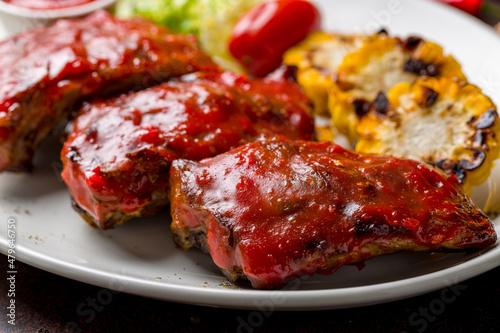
(117, 158)
(274, 210)
(47, 71)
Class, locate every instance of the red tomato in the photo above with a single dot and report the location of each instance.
(470, 6)
(264, 33)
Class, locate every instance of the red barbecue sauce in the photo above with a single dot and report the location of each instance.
(281, 209)
(47, 4)
(122, 143)
(46, 70)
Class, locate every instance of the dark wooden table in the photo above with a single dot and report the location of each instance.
(49, 303)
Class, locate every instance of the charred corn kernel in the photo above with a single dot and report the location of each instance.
(444, 122)
(316, 87)
(317, 59)
(381, 63)
(343, 113)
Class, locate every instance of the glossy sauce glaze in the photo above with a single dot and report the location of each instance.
(47, 4)
(273, 210)
(117, 158)
(47, 71)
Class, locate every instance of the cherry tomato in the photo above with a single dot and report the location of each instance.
(470, 6)
(263, 34)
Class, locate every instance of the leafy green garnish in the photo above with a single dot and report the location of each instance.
(210, 20)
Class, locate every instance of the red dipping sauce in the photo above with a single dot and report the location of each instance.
(47, 4)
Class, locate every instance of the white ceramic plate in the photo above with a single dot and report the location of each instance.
(140, 257)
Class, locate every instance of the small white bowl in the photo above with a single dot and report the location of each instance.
(15, 19)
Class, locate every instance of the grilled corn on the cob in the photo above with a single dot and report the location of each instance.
(318, 58)
(447, 123)
(400, 97)
(377, 66)
(341, 73)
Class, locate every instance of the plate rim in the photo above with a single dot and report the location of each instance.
(295, 301)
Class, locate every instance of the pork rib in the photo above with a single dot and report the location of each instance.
(117, 158)
(273, 210)
(45, 72)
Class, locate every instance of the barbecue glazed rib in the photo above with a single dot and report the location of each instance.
(273, 210)
(118, 156)
(47, 71)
